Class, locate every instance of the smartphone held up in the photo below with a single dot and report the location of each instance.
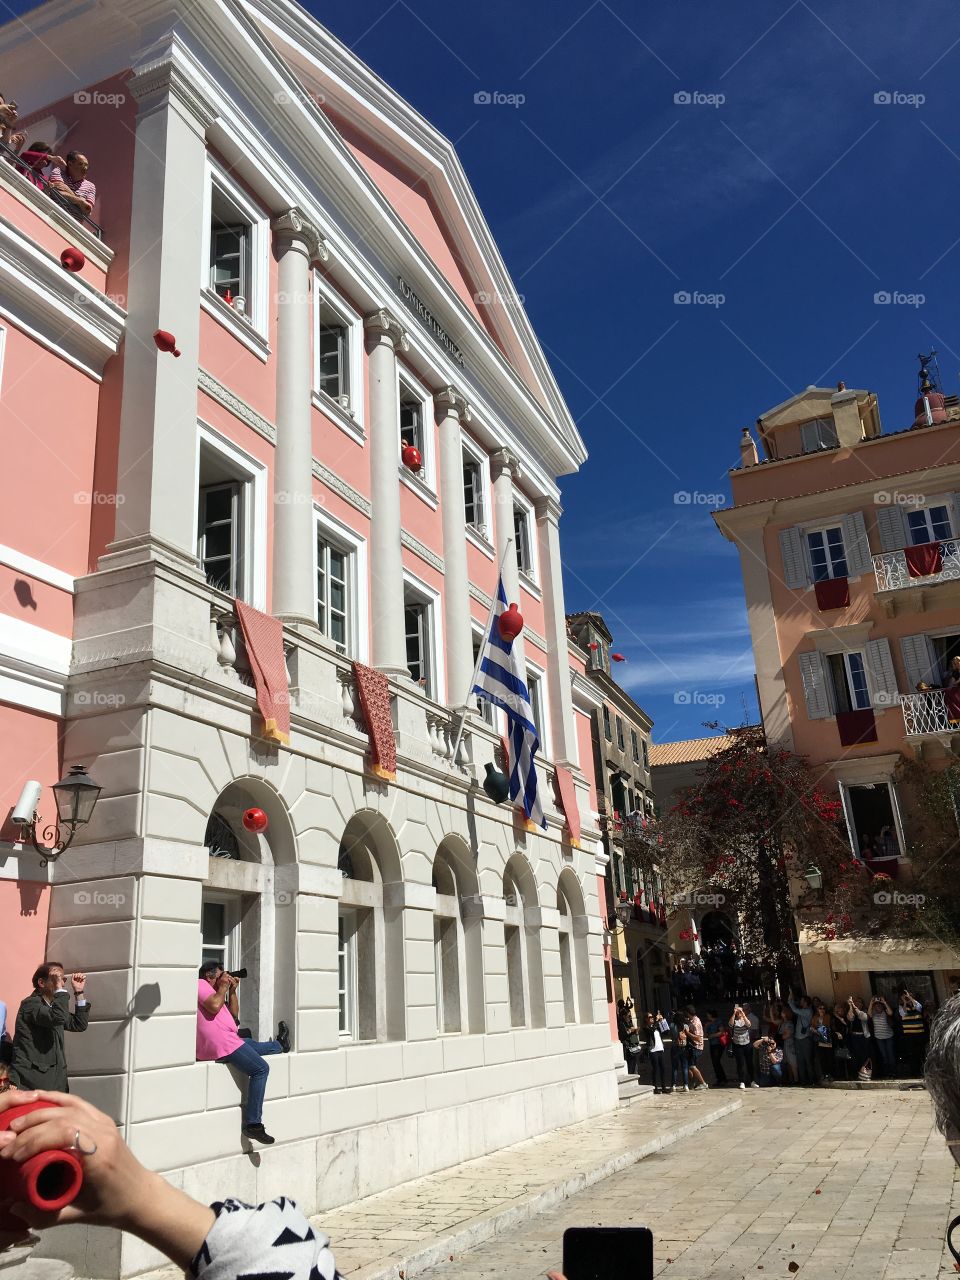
(608, 1253)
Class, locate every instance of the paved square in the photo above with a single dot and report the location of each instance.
(848, 1185)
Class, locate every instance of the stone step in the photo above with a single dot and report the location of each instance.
(902, 1085)
(631, 1090)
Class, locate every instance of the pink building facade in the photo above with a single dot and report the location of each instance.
(337, 300)
(848, 541)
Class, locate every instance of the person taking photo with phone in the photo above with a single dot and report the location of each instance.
(39, 1060)
(219, 1040)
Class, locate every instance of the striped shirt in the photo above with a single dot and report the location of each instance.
(912, 1020)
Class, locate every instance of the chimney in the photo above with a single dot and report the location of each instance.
(748, 449)
(846, 417)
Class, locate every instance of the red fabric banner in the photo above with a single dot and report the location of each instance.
(263, 640)
(373, 689)
(951, 697)
(924, 559)
(568, 803)
(857, 727)
(832, 593)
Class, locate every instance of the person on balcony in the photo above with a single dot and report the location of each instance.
(72, 184)
(9, 135)
(35, 160)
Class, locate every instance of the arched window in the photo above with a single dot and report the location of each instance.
(574, 951)
(522, 943)
(246, 922)
(458, 942)
(370, 933)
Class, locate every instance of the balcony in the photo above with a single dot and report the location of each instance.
(926, 715)
(897, 591)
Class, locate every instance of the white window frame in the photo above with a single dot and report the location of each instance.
(823, 528)
(352, 418)
(347, 920)
(424, 483)
(845, 655)
(422, 593)
(252, 474)
(925, 509)
(538, 676)
(844, 786)
(529, 577)
(819, 423)
(253, 328)
(358, 611)
(231, 916)
(480, 536)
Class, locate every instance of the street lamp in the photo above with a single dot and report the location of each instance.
(76, 796)
(624, 910)
(814, 878)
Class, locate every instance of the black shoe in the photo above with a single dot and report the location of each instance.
(283, 1036)
(668, 1091)
(658, 1091)
(258, 1133)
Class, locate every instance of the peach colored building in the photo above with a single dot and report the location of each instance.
(849, 541)
(337, 300)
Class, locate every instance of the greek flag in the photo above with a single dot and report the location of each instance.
(500, 681)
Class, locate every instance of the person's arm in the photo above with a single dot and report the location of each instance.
(55, 1014)
(217, 998)
(80, 1017)
(233, 1003)
(795, 1007)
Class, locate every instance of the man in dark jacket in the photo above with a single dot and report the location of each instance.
(39, 1061)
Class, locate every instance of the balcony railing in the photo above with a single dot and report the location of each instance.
(8, 155)
(892, 573)
(927, 713)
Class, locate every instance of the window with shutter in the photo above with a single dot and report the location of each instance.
(816, 689)
(827, 554)
(920, 661)
(928, 524)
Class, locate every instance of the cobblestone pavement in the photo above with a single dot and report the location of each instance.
(844, 1184)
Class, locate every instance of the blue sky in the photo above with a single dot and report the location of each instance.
(798, 197)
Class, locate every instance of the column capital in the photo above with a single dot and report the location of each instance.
(451, 403)
(292, 225)
(164, 79)
(387, 328)
(547, 508)
(504, 461)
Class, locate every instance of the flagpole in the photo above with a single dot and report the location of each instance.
(476, 669)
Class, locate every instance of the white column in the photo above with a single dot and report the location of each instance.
(558, 675)
(296, 244)
(454, 410)
(158, 409)
(384, 336)
(504, 469)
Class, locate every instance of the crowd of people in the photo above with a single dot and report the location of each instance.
(720, 972)
(62, 177)
(800, 1041)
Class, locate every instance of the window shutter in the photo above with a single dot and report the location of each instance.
(892, 524)
(955, 513)
(809, 437)
(816, 687)
(856, 546)
(883, 678)
(920, 661)
(793, 550)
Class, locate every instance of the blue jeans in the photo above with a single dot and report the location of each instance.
(249, 1059)
(775, 1076)
(887, 1057)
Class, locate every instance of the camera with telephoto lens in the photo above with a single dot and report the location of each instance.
(237, 973)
